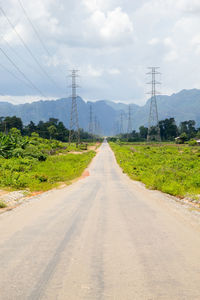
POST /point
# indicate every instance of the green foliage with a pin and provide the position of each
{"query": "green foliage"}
(183, 137)
(29, 172)
(168, 129)
(192, 142)
(2, 204)
(171, 169)
(37, 163)
(52, 129)
(16, 145)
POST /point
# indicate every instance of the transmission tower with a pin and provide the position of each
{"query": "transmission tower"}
(130, 129)
(121, 122)
(153, 126)
(74, 130)
(91, 129)
(96, 127)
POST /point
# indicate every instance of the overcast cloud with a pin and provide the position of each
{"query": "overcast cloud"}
(111, 42)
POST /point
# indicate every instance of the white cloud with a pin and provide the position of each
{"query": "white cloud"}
(188, 6)
(153, 41)
(196, 43)
(91, 71)
(114, 71)
(94, 5)
(171, 56)
(111, 28)
(116, 25)
(10, 35)
(103, 38)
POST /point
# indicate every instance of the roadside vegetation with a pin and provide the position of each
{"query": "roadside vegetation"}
(173, 169)
(38, 164)
(28, 161)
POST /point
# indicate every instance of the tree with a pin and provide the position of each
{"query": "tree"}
(189, 128)
(168, 129)
(143, 131)
(12, 122)
(183, 137)
(52, 131)
(30, 128)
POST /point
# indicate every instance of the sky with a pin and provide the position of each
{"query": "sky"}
(111, 42)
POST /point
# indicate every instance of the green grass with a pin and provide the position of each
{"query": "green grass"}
(169, 168)
(29, 173)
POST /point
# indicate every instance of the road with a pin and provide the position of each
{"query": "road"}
(103, 237)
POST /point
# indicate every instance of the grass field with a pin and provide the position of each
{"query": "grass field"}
(173, 169)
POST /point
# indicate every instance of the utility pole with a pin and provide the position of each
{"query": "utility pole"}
(121, 123)
(153, 126)
(74, 130)
(130, 129)
(91, 129)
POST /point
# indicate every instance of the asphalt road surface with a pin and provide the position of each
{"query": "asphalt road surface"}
(103, 237)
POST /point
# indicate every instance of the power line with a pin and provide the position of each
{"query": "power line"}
(27, 48)
(36, 31)
(22, 73)
(17, 54)
(12, 74)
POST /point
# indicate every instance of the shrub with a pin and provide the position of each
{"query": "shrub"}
(192, 142)
(33, 151)
(2, 204)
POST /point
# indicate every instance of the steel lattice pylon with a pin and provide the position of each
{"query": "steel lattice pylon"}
(129, 130)
(153, 126)
(121, 130)
(91, 127)
(74, 130)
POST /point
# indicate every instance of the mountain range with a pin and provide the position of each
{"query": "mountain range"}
(183, 106)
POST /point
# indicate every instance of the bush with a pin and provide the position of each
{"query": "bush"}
(33, 151)
(2, 204)
(192, 142)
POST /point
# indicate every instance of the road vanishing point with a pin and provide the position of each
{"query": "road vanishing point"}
(103, 237)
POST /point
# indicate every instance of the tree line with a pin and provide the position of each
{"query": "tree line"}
(168, 131)
(52, 129)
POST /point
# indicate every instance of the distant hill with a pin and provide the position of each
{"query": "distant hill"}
(184, 105)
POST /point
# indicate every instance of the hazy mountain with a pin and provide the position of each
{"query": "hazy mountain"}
(184, 105)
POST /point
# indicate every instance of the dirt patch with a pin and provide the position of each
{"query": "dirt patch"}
(3, 192)
(85, 174)
(77, 152)
(36, 193)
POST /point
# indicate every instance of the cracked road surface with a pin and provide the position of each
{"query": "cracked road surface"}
(103, 237)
